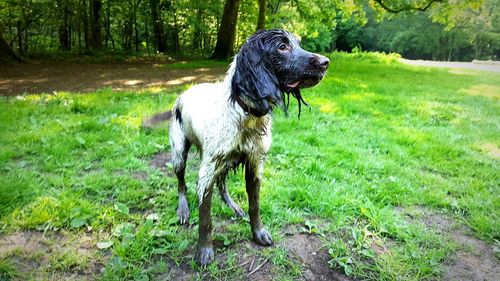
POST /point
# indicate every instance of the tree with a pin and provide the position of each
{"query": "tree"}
(95, 24)
(227, 31)
(7, 55)
(64, 29)
(261, 23)
(217, 28)
(481, 23)
(158, 28)
(397, 6)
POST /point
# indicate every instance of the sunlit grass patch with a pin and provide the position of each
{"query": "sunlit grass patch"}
(487, 91)
(370, 57)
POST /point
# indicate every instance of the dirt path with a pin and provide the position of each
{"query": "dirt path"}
(476, 65)
(34, 78)
(85, 77)
(474, 259)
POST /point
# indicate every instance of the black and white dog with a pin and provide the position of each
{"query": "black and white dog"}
(230, 124)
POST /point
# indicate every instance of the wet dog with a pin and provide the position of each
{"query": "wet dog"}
(230, 124)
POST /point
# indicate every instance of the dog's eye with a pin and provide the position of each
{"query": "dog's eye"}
(283, 47)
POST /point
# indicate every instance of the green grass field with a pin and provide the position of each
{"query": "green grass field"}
(380, 136)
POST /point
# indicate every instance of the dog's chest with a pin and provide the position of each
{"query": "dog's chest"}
(254, 136)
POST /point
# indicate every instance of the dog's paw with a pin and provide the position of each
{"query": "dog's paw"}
(262, 237)
(238, 211)
(205, 255)
(183, 211)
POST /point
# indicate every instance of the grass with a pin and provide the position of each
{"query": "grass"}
(379, 135)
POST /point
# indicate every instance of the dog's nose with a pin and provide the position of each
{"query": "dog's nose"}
(324, 62)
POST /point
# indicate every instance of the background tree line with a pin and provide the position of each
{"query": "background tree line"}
(430, 29)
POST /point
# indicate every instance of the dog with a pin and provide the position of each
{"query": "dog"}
(230, 124)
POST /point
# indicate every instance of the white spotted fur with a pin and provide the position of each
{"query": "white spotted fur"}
(219, 128)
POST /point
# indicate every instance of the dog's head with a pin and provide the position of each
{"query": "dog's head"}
(270, 64)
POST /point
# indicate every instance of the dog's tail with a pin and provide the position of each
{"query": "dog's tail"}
(156, 119)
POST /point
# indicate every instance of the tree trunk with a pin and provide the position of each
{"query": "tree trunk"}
(227, 31)
(175, 35)
(158, 29)
(7, 55)
(197, 30)
(20, 45)
(261, 23)
(95, 23)
(64, 26)
(85, 18)
(136, 29)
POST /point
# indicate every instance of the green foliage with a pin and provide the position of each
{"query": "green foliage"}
(463, 30)
(415, 36)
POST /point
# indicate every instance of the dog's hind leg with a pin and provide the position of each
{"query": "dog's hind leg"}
(180, 148)
(221, 183)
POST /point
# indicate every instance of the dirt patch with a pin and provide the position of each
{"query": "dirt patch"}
(88, 77)
(245, 260)
(474, 260)
(308, 250)
(160, 160)
(140, 175)
(53, 256)
(181, 272)
(491, 150)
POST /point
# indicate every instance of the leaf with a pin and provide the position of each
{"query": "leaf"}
(77, 222)
(122, 208)
(173, 220)
(183, 245)
(160, 251)
(80, 140)
(141, 277)
(159, 233)
(123, 228)
(153, 217)
(127, 239)
(104, 244)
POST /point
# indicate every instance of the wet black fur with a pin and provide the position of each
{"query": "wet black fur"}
(263, 71)
(178, 115)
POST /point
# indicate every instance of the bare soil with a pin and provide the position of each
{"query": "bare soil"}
(75, 77)
(304, 249)
(474, 259)
(37, 255)
(308, 250)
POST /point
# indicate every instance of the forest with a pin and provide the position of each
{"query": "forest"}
(419, 29)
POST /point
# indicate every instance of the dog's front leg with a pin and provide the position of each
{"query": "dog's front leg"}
(253, 180)
(205, 253)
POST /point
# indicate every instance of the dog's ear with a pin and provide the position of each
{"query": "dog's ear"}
(254, 81)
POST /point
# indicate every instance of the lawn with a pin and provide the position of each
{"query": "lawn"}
(383, 144)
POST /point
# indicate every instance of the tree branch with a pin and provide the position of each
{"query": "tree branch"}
(405, 7)
(25, 27)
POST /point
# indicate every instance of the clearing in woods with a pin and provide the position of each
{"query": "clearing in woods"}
(392, 174)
